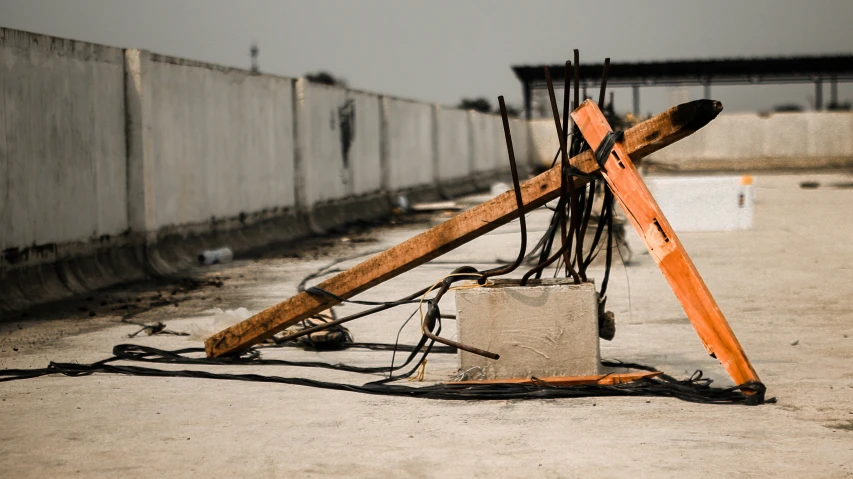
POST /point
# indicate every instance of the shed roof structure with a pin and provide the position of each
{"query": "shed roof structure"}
(725, 71)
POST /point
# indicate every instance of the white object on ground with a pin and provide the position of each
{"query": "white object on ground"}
(402, 202)
(436, 206)
(216, 256)
(705, 203)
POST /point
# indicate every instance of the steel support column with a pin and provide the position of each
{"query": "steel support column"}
(635, 90)
(818, 94)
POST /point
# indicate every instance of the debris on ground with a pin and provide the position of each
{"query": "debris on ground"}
(436, 206)
(154, 328)
(216, 256)
(813, 185)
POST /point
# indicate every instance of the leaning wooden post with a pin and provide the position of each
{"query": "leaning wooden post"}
(645, 138)
(644, 213)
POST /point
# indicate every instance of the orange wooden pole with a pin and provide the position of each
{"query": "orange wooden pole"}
(648, 219)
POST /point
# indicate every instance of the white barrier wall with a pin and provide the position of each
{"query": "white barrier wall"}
(454, 144)
(544, 143)
(339, 142)
(705, 203)
(62, 142)
(409, 144)
(750, 136)
(520, 131)
(118, 163)
(830, 134)
(218, 142)
(484, 140)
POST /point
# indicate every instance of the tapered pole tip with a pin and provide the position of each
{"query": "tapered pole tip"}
(695, 114)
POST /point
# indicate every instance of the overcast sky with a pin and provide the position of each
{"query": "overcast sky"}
(443, 50)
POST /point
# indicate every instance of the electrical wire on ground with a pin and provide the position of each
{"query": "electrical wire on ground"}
(694, 389)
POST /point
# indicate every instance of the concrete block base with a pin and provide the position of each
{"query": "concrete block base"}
(547, 328)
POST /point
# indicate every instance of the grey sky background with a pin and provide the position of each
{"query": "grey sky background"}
(441, 50)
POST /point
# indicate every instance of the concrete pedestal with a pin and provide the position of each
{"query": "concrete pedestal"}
(547, 328)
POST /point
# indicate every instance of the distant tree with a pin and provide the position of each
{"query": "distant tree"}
(511, 111)
(477, 104)
(325, 78)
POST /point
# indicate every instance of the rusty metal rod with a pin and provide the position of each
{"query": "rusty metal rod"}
(603, 83)
(564, 163)
(516, 185)
(433, 313)
(590, 197)
(577, 78)
(565, 189)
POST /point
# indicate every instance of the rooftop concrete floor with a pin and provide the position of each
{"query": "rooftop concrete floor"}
(784, 285)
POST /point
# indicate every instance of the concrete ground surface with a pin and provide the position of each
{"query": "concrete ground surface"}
(784, 286)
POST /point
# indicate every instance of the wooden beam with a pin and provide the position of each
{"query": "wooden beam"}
(644, 213)
(603, 379)
(640, 140)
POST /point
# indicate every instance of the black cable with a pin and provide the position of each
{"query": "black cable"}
(368, 346)
(695, 389)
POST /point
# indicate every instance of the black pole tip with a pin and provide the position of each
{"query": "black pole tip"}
(696, 114)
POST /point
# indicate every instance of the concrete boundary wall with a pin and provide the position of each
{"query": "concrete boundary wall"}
(485, 141)
(217, 144)
(409, 144)
(454, 152)
(455, 159)
(339, 141)
(749, 141)
(520, 131)
(121, 164)
(63, 169)
(543, 142)
(339, 150)
(63, 145)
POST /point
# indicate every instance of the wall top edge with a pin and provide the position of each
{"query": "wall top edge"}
(321, 86)
(62, 47)
(168, 59)
(394, 98)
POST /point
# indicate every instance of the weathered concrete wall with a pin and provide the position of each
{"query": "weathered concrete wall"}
(830, 135)
(218, 143)
(454, 144)
(409, 144)
(118, 164)
(520, 131)
(339, 142)
(544, 143)
(62, 145)
(63, 188)
(486, 141)
(744, 141)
